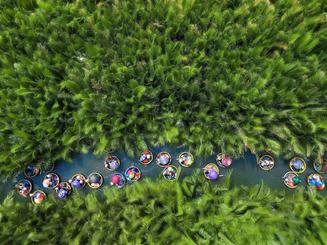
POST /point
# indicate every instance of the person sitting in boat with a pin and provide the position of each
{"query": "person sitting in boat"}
(31, 170)
(38, 197)
(146, 157)
(47, 182)
(211, 172)
(267, 163)
(23, 188)
(78, 181)
(298, 165)
(224, 160)
(95, 180)
(170, 173)
(292, 180)
(186, 159)
(111, 163)
(50, 180)
(164, 159)
(117, 180)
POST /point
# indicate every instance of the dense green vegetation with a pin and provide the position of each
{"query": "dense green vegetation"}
(213, 75)
(193, 211)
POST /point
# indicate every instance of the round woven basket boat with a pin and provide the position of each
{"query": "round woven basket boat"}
(298, 165)
(146, 157)
(112, 163)
(211, 171)
(77, 181)
(31, 170)
(266, 162)
(186, 159)
(24, 187)
(132, 174)
(163, 159)
(291, 179)
(94, 180)
(170, 173)
(51, 181)
(38, 197)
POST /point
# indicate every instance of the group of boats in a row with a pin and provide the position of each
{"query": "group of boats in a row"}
(170, 172)
(297, 166)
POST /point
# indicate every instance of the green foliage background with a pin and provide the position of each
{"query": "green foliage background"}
(193, 211)
(213, 75)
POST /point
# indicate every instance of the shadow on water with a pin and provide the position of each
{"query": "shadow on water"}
(245, 170)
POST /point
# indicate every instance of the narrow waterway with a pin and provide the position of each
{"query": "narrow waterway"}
(245, 170)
